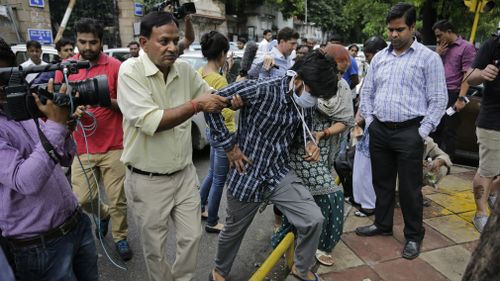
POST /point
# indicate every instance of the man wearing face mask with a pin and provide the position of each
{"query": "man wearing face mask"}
(100, 150)
(275, 111)
(403, 98)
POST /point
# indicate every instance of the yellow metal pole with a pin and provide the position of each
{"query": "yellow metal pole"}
(275, 256)
(476, 21)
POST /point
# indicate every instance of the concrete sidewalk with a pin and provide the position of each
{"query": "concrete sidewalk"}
(449, 241)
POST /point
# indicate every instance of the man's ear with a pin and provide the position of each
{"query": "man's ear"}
(143, 40)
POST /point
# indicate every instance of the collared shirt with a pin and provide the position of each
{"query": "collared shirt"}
(283, 63)
(109, 133)
(268, 124)
(143, 95)
(35, 195)
(31, 76)
(401, 87)
(457, 60)
(263, 46)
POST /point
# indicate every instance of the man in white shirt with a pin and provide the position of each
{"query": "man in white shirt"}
(34, 52)
(268, 36)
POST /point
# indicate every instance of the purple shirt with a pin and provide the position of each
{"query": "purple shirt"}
(35, 195)
(457, 60)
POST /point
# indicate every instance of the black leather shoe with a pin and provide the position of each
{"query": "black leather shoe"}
(411, 250)
(371, 230)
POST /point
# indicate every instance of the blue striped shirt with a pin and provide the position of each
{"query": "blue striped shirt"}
(267, 126)
(283, 63)
(401, 87)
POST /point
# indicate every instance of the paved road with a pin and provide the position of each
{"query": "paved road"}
(253, 251)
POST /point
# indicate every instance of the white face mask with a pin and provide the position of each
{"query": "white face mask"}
(305, 100)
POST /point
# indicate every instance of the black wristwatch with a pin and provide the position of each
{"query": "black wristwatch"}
(464, 99)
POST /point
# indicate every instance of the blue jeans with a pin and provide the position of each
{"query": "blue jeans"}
(69, 257)
(213, 184)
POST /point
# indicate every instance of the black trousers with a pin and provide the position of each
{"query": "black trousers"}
(445, 135)
(393, 152)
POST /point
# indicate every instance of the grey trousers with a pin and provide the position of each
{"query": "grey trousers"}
(296, 202)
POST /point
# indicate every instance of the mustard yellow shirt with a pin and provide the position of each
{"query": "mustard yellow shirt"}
(217, 81)
(143, 94)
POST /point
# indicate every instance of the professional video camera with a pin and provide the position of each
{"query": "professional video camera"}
(20, 104)
(179, 11)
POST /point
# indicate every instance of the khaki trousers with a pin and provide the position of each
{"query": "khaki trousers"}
(107, 168)
(153, 201)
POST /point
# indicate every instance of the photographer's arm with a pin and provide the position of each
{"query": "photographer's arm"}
(28, 175)
(188, 34)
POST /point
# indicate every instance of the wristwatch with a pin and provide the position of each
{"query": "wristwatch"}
(464, 99)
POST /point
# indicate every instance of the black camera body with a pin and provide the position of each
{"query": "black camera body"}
(179, 11)
(20, 104)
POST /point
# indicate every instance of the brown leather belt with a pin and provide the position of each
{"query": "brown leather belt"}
(151, 174)
(404, 124)
(57, 232)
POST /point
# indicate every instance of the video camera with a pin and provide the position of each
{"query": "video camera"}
(20, 104)
(179, 11)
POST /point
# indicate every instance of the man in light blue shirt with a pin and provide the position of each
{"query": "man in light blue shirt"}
(278, 60)
(404, 97)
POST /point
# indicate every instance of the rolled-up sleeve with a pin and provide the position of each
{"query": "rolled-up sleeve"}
(137, 105)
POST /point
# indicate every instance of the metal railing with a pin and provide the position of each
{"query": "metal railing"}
(285, 247)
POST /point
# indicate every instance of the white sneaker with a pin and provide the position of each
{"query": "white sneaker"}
(479, 222)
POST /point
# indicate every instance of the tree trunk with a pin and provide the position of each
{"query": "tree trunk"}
(484, 262)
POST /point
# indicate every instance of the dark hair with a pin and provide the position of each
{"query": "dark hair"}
(156, 19)
(212, 44)
(266, 31)
(444, 25)
(33, 43)
(319, 72)
(63, 42)
(287, 33)
(242, 40)
(88, 25)
(353, 45)
(133, 43)
(6, 53)
(402, 10)
(302, 46)
(374, 44)
(336, 38)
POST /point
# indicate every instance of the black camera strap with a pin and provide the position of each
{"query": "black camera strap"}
(51, 151)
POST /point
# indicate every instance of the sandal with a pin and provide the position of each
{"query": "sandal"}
(320, 257)
(214, 229)
(204, 215)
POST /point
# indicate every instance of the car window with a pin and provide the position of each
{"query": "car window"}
(21, 57)
(49, 57)
(121, 56)
(195, 62)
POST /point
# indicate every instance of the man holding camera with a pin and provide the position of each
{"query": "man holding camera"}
(50, 237)
(158, 95)
(100, 149)
(485, 70)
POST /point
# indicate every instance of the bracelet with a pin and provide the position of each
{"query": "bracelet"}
(195, 106)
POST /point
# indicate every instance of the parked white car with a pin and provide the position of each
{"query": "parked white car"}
(49, 53)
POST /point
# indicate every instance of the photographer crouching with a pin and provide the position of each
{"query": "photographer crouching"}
(49, 236)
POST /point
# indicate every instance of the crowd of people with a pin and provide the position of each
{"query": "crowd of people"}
(300, 107)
